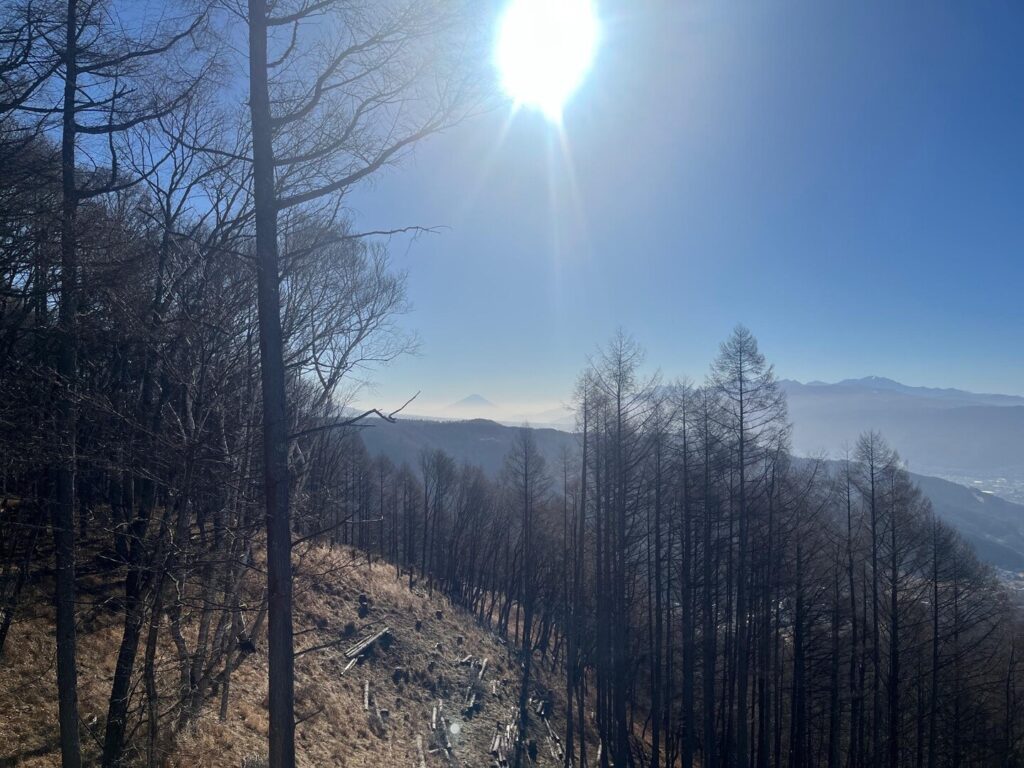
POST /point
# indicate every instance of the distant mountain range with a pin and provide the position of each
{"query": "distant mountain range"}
(992, 524)
(947, 432)
(879, 386)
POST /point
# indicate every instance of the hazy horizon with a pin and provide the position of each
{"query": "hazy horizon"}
(439, 403)
(558, 412)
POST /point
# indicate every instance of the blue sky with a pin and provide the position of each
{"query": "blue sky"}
(847, 179)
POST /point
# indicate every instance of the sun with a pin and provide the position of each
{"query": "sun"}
(544, 50)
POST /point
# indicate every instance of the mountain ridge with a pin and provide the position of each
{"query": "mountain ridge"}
(949, 433)
(880, 384)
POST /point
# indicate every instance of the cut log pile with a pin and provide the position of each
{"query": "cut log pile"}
(554, 742)
(461, 684)
(440, 741)
(475, 689)
(503, 743)
(440, 733)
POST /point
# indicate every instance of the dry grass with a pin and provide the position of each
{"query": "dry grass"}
(334, 729)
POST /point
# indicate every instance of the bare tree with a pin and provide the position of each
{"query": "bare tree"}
(370, 96)
(92, 61)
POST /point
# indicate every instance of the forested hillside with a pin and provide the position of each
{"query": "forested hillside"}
(734, 605)
(992, 525)
(700, 597)
(481, 442)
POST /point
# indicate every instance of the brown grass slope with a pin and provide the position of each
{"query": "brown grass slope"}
(409, 674)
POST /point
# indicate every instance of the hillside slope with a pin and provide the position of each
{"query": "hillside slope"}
(422, 664)
(993, 525)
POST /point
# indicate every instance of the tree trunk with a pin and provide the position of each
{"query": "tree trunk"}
(894, 647)
(67, 414)
(275, 423)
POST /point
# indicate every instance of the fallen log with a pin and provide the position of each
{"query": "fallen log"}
(551, 732)
(419, 749)
(362, 646)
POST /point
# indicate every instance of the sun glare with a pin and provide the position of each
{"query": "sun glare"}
(544, 50)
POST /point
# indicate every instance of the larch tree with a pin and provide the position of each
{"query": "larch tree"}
(753, 413)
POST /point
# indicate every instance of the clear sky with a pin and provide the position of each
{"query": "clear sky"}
(847, 179)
